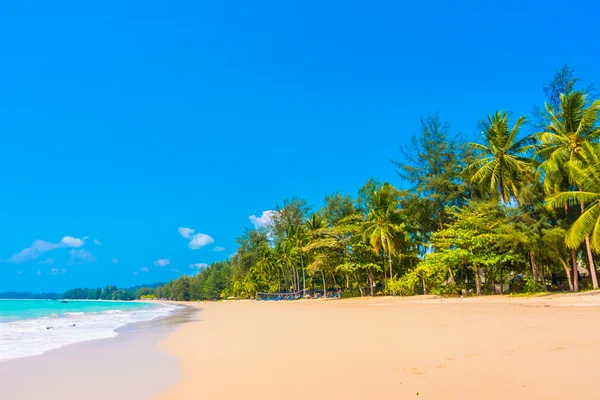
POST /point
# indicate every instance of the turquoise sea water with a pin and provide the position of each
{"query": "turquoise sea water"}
(31, 327)
(11, 310)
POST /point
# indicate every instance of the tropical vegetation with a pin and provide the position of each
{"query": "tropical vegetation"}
(516, 210)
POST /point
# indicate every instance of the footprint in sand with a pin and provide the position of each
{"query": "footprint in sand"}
(558, 349)
(441, 366)
(415, 371)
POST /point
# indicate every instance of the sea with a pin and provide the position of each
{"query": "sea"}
(32, 327)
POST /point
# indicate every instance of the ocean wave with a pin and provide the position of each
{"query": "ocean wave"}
(28, 337)
(74, 314)
(113, 312)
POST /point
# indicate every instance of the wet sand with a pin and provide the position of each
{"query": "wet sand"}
(390, 348)
(128, 366)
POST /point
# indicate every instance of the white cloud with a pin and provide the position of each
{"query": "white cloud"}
(185, 232)
(162, 262)
(264, 220)
(97, 242)
(19, 272)
(72, 241)
(200, 240)
(31, 253)
(199, 265)
(56, 271)
(144, 269)
(38, 272)
(80, 256)
(38, 247)
(115, 261)
(218, 248)
(47, 261)
(174, 270)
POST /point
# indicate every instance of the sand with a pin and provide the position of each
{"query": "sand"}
(390, 348)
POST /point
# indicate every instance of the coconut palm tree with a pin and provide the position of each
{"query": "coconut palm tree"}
(299, 239)
(586, 174)
(504, 162)
(570, 127)
(382, 228)
(265, 264)
(562, 144)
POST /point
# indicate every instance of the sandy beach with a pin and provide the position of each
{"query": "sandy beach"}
(390, 348)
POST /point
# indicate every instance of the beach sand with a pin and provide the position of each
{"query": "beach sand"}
(390, 348)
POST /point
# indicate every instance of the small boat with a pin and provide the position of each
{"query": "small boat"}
(64, 301)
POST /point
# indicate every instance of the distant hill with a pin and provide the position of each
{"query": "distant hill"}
(83, 293)
(28, 295)
(110, 292)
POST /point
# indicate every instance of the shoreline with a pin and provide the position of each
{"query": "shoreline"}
(22, 332)
(128, 365)
(494, 347)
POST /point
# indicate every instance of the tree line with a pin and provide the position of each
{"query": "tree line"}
(516, 210)
(111, 292)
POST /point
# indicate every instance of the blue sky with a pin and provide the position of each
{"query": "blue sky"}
(122, 122)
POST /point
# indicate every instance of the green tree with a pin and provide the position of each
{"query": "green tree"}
(471, 240)
(586, 173)
(382, 228)
(432, 163)
(571, 127)
(504, 163)
(291, 214)
(181, 289)
(563, 82)
(337, 207)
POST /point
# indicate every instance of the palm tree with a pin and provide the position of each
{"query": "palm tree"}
(562, 145)
(504, 161)
(587, 176)
(265, 264)
(299, 239)
(314, 232)
(381, 229)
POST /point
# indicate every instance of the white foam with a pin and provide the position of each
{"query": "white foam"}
(30, 337)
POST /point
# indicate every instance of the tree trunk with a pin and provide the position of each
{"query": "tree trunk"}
(390, 260)
(568, 271)
(477, 282)
(591, 261)
(303, 278)
(590, 255)
(384, 269)
(324, 285)
(423, 281)
(501, 283)
(502, 192)
(297, 279)
(371, 283)
(451, 279)
(291, 275)
(534, 270)
(575, 272)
